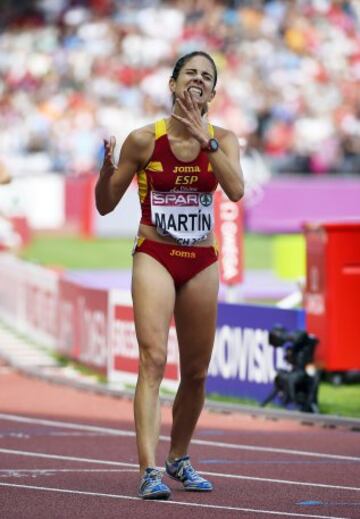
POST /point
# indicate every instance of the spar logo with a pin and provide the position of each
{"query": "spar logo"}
(206, 199)
(175, 199)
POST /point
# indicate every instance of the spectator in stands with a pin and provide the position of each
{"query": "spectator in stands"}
(273, 57)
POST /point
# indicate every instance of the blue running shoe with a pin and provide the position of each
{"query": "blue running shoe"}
(151, 486)
(182, 470)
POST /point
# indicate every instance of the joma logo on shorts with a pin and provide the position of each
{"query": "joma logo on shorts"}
(186, 169)
(182, 254)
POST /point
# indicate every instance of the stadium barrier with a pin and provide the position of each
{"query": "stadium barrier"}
(29, 297)
(96, 327)
(82, 333)
(123, 348)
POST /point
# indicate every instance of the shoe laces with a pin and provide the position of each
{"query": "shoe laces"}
(187, 470)
(154, 475)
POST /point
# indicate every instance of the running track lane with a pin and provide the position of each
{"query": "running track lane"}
(67, 453)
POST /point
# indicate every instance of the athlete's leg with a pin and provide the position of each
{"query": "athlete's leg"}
(195, 316)
(153, 298)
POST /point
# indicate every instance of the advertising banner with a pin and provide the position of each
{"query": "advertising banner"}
(11, 289)
(124, 350)
(29, 298)
(280, 209)
(83, 328)
(40, 304)
(243, 363)
(96, 327)
(229, 233)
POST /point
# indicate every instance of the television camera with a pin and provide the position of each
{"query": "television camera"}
(298, 386)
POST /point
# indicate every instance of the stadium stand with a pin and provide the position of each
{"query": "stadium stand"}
(73, 71)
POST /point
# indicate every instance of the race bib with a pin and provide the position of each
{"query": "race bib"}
(187, 217)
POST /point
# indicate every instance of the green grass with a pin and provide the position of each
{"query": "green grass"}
(79, 367)
(342, 400)
(72, 252)
(258, 251)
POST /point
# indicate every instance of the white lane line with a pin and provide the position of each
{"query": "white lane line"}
(131, 434)
(212, 474)
(68, 458)
(46, 472)
(17, 473)
(181, 503)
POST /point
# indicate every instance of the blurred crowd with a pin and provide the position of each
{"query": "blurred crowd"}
(72, 72)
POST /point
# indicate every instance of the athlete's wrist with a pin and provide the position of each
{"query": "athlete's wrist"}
(211, 145)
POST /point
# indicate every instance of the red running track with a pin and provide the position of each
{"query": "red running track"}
(67, 453)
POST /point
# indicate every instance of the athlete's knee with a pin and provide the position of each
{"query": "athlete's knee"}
(196, 375)
(152, 363)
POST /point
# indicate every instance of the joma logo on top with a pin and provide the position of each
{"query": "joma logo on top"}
(186, 169)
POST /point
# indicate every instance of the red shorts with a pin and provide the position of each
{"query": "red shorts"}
(182, 262)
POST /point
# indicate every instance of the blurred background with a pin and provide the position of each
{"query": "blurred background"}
(74, 71)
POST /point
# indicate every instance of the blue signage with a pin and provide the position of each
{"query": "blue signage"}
(243, 363)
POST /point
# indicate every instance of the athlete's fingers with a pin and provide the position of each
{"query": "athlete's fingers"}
(182, 105)
(108, 158)
(186, 101)
(189, 100)
(193, 104)
(106, 148)
(187, 112)
(112, 144)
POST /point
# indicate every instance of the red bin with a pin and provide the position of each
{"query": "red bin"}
(332, 293)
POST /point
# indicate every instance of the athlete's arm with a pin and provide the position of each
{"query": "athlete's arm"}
(226, 166)
(114, 180)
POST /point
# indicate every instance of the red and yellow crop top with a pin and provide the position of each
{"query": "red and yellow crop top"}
(176, 197)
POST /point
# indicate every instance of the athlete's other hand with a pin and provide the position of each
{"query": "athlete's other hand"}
(195, 123)
(108, 167)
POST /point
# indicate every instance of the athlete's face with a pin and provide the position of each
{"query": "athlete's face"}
(197, 77)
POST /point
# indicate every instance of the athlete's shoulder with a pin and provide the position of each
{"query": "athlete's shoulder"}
(222, 133)
(142, 137)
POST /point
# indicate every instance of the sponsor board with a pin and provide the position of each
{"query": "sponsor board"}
(124, 350)
(29, 298)
(97, 328)
(11, 276)
(243, 364)
(83, 324)
(229, 233)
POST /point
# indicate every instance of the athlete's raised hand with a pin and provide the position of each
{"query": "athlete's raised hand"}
(108, 167)
(191, 117)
